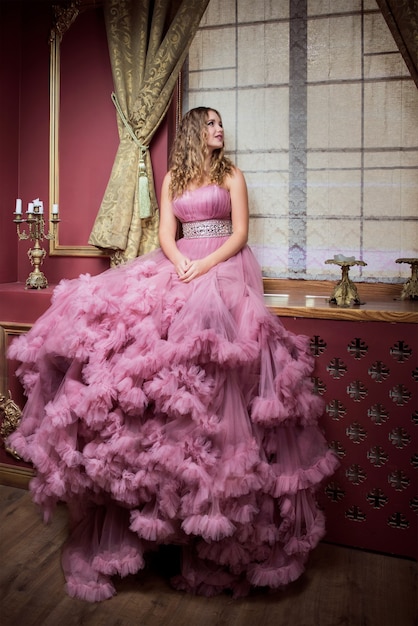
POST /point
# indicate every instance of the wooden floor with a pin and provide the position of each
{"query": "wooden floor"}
(341, 587)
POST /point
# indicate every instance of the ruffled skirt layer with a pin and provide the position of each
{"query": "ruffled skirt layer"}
(165, 413)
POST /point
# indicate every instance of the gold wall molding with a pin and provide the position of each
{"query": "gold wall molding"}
(15, 476)
(8, 330)
(10, 412)
(64, 17)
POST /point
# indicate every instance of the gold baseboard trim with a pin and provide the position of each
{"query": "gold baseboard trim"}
(15, 476)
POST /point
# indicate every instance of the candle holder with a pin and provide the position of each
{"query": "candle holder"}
(410, 288)
(345, 292)
(34, 218)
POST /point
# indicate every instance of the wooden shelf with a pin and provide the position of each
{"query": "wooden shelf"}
(310, 299)
(285, 297)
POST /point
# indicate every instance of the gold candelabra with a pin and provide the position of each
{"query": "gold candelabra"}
(35, 220)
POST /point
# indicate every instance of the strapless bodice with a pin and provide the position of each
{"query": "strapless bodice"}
(204, 203)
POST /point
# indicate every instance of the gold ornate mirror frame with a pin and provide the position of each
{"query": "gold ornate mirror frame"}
(64, 16)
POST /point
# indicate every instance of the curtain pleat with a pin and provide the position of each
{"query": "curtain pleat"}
(148, 43)
(402, 18)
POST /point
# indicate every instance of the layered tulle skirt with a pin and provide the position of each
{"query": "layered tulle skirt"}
(165, 413)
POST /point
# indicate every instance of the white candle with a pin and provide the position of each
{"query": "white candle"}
(30, 207)
(41, 206)
(54, 209)
(18, 206)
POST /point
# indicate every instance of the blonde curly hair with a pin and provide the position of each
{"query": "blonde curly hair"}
(187, 158)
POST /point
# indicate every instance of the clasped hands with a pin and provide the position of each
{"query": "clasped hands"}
(187, 269)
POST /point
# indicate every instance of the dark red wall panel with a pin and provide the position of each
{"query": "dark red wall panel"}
(10, 64)
(88, 136)
(367, 374)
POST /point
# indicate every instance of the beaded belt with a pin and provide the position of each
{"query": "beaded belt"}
(207, 228)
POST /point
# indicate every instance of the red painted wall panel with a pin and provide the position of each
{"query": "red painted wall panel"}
(9, 135)
(367, 374)
(88, 137)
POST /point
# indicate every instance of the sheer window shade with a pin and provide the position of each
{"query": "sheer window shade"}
(321, 114)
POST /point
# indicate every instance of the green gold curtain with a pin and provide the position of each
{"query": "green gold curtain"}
(402, 18)
(148, 43)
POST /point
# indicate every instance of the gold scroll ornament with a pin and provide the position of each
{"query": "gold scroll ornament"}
(11, 418)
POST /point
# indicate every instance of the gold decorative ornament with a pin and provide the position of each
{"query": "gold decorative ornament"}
(345, 292)
(11, 418)
(63, 17)
(410, 288)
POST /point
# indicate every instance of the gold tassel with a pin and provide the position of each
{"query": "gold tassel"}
(143, 198)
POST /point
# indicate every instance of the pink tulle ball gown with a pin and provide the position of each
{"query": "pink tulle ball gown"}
(165, 413)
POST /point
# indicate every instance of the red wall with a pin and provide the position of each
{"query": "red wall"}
(88, 132)
(9, 135)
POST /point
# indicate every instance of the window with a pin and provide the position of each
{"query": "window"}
(321, 115)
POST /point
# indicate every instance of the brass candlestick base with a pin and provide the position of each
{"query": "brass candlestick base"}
(345, 292)
(36, 279)
(410, 288)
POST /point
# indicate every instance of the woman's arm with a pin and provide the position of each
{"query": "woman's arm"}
(240, 217)
(168, 229)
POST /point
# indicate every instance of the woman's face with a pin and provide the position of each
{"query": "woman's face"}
(214, 132)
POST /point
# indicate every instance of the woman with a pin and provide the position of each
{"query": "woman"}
(209, 165)
(166, 405)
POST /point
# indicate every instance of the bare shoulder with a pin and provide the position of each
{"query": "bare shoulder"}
(235, 179)
(165, 187)
(167, 179)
